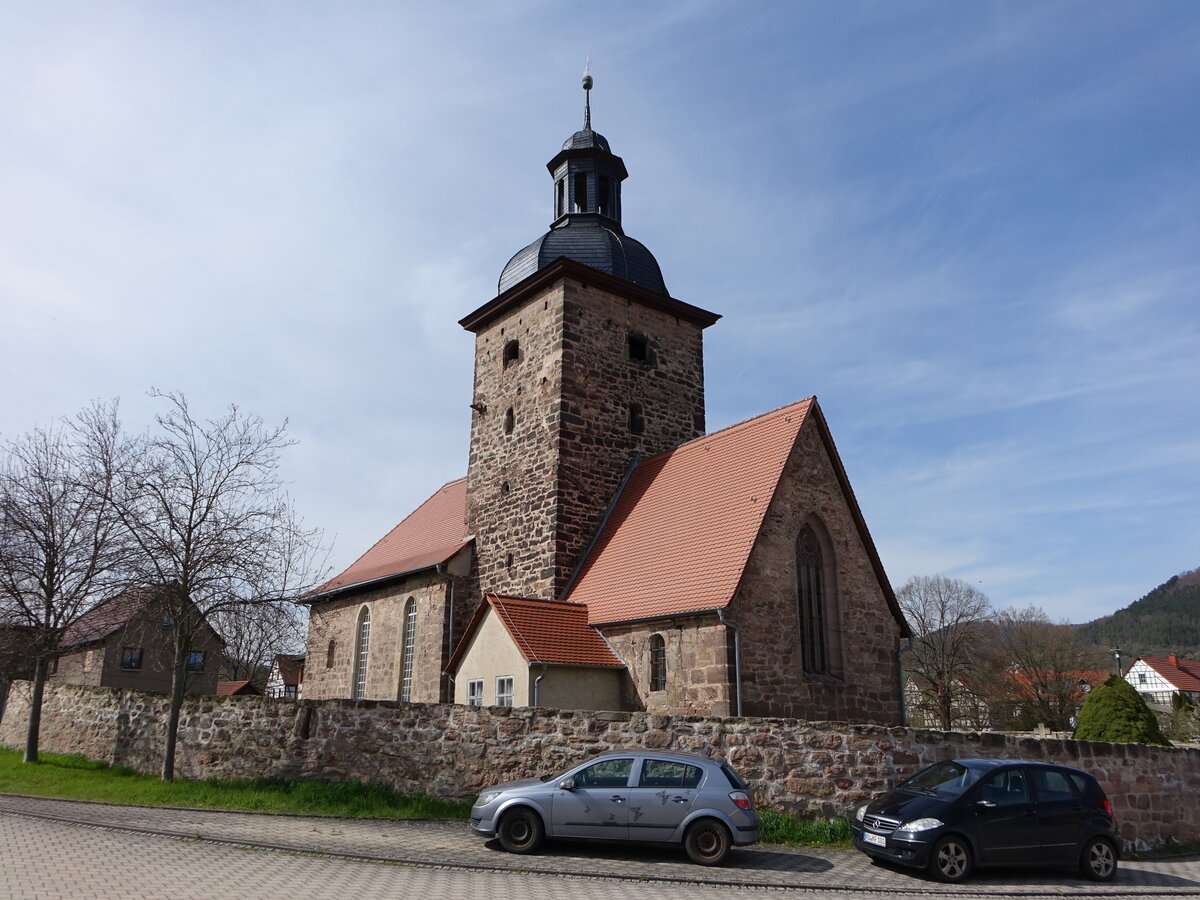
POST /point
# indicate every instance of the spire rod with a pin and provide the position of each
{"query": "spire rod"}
(587, 97)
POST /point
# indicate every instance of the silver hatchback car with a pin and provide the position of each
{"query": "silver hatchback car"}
(625, 795)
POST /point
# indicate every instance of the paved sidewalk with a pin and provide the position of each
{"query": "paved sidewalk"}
(442, 845)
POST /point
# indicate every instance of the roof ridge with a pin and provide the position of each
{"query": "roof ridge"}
(724, 432)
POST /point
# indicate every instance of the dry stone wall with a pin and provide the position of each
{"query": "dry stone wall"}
(810, 768)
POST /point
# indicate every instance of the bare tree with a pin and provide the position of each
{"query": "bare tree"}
(60, 544)
(1042, 671)
(253, 638)
(945, 615)
(213, 528)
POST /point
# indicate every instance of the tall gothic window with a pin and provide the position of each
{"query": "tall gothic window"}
(814, 648)
(410, 644)
(658, 663)
(362, 645)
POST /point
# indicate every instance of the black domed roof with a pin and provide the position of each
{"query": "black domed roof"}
(593, 245)
(587, 140)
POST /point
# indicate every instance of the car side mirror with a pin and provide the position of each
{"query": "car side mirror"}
(567, 784)
(986, 803)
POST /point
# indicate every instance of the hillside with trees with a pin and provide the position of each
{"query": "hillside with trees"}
(1166, 620)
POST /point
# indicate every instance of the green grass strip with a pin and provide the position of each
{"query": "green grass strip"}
(78, 778)
(782, 828)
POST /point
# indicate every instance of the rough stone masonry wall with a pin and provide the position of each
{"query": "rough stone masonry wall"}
(811, 768)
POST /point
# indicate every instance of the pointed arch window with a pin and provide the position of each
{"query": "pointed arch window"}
(658, 663)
(409, 651)
(818, 634)
(362, 645)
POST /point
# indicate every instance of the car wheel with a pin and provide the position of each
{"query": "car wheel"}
(707, 842)
(1098, 860)
(521, 831)
(950, 860)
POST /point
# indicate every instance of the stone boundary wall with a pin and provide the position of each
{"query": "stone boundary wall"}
(809, 768)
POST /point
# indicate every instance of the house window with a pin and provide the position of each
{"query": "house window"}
(131, 658)
(410, 644)
(504, 691)
(168, 620)
(814, 627)
(195, 661)
(330, 654)
(475, 692)
(512, 352)
(658, 663)
(1141, 677)
(637, 419)
(362, 645)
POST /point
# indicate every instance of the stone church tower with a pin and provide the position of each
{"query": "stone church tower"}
(583, 364)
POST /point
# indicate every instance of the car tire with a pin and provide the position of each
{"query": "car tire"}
(950, 860)
(707, 842)
(1098, 861)
(521, 830)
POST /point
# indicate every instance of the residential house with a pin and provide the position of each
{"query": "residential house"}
(1159, 678)
(286, 676)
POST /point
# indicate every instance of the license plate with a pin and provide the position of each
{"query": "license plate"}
(877, 839)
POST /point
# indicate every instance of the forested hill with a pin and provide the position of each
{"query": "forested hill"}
(1166, 620)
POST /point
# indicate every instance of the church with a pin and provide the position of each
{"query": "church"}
(604, 551)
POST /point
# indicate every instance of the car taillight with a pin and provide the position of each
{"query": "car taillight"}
(1107, 806)
(742, 799)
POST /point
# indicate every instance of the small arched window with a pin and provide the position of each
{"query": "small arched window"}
(658, 663)
(409, 651)
(362, 646)
(512, 352)
(510, 419)
(331, 653)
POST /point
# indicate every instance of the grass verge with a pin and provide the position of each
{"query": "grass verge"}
(78, 778)
(782, 828)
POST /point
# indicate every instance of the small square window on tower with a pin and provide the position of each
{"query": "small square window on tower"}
(637, 419)
(639, 349)
(512, 353)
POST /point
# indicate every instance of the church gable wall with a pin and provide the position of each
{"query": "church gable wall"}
(698, 665)
(863, 635)
(337, 620)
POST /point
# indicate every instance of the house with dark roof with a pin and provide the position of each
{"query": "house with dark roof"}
(1159, 678)
(605, 551)
(126, 642)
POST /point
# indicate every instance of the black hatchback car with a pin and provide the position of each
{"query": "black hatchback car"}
(961, 813)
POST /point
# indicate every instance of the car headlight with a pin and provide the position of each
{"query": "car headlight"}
(921, 825)
(860, 812)
(488, 797)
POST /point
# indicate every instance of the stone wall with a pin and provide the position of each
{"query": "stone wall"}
(811, 768)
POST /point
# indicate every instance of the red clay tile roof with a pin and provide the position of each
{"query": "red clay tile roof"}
(236, 689)
(681, 532)
(432, 533)
(1185, 676)
(291, 667)
(545, 631)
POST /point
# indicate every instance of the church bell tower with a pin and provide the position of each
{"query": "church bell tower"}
(584, 364)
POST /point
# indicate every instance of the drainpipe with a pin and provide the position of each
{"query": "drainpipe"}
(537, 687)
(900, 675)
(449, 624)
(737, 657)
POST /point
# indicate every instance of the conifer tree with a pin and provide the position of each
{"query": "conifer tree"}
(1116, 712)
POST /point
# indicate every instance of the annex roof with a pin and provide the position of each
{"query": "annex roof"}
(553, 632)
(433, 533)
(686, 521)
(1184, 674)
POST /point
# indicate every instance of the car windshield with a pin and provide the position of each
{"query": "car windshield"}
(945, 779)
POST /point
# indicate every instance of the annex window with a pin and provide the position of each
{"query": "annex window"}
(512, 353)
(820, 650)
(409, 651)
(504, 690)
(510, 419)
(330, 654)
(475, 692)
(362, 645)
(658, 663)
(195, 661)
(580, 192)
(131, 657)
(637, 419)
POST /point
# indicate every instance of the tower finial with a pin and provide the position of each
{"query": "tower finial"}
(587, 95)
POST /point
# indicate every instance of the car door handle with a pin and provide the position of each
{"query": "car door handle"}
(680, 799)
(617, 798)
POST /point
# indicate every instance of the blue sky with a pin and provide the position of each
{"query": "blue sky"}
(971, 229)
